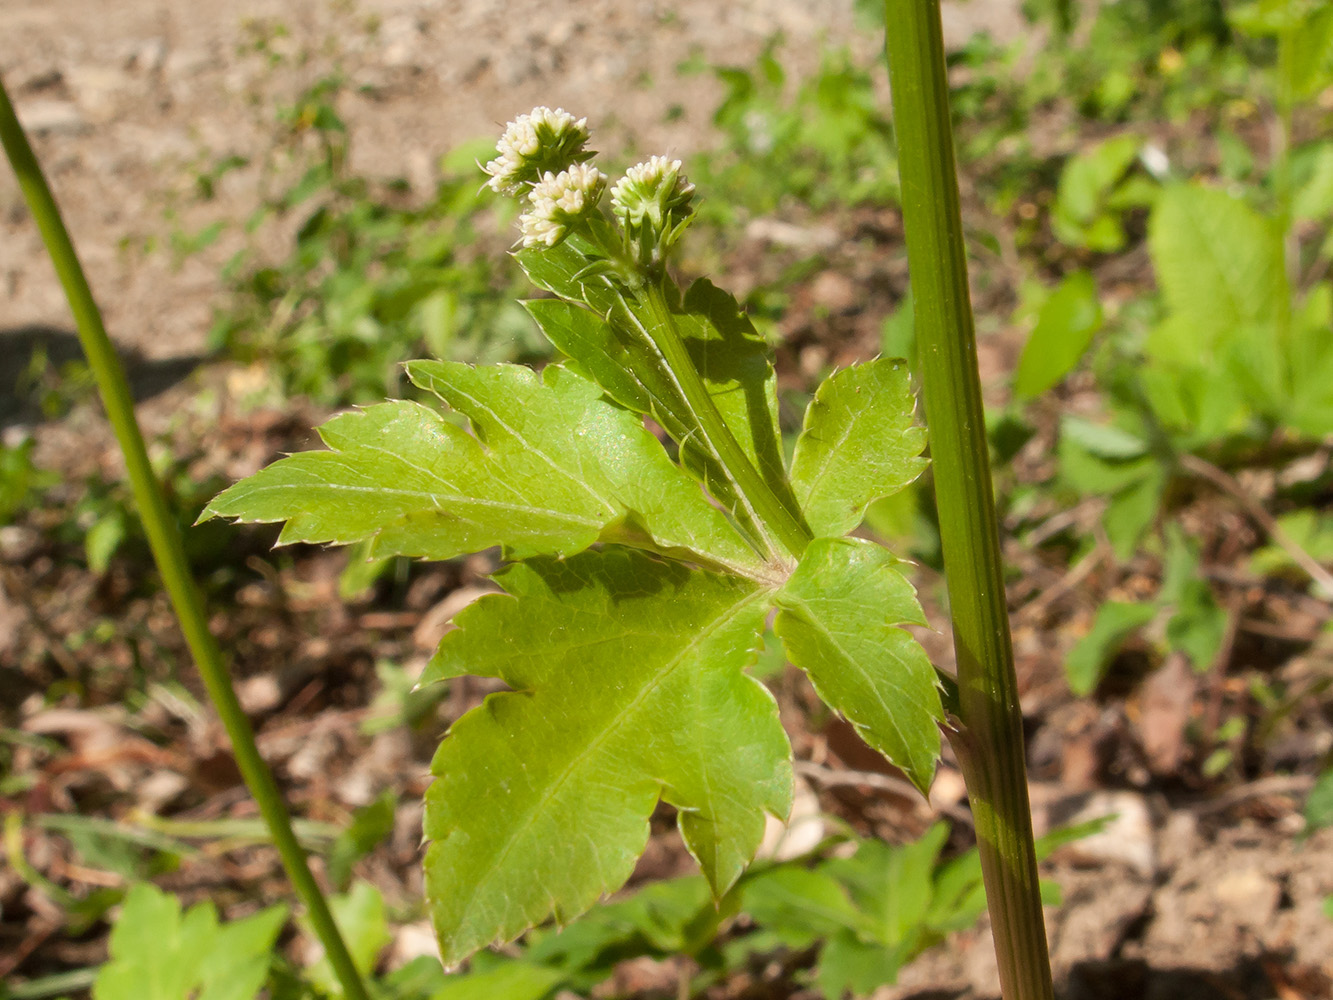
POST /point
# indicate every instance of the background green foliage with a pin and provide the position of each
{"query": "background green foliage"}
(1167, 263)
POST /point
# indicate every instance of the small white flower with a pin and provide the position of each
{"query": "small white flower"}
(558, 201)
(654, 191)
(534, 144)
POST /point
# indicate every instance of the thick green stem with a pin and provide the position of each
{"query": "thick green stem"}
(770, 513)
(990, 736)
(165, 540)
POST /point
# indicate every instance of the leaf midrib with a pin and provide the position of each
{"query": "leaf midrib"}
(433, 498)
(491, 453)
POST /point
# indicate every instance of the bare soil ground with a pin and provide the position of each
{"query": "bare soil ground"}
(1194, 892)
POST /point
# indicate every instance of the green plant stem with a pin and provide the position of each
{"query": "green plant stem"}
(165, 540)
(769, 512)
(989, 737)
(58, 984)
(1282, 182)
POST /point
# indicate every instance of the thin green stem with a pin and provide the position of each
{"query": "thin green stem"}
(1282, 183)
(55, 985)
(989, 740)
(165, 540)
(770, 513)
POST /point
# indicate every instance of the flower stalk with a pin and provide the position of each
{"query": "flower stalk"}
(165, 541)
(541, 159)
(989, 737)
(768, 510)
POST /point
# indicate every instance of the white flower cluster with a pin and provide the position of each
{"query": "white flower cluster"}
(557, 201)
(654, 191)
(540, 142)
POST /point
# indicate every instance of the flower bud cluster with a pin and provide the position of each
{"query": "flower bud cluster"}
(540, 142)
(542, 160)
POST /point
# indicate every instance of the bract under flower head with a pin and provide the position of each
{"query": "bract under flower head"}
(655, 192)
(558, 201)
(540, 142)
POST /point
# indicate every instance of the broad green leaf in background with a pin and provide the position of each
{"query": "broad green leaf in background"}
(1309, 409)
(1319, 803)
(1116, 621)
(676, 916)
(1132, 511)
(798, 905)
(1198, 402)
(850, 965)
(1106, 460)
(552, 469)
(1219, 266)
(1313, 198)
(893, 884)
(516, 980)
(1106, 441)
(1090, 475)
(370, 824)
(858, 444)
(1081, 217)
(838, 619)
(1066, 324)
(104, 538)
(158, 953)
(236, 965)
(1310, 26)
(1305, 528)
(629, 685)
(1312, 53)
(893, 887)
(1199, 625)
(897, 337)
(363, 921)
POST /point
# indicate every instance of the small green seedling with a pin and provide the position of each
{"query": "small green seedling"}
(160, 953)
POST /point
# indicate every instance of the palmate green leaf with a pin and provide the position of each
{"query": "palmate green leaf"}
(837, 619)
(553, 467)
(158, 953)
(629, 685)
(612, 343)
(858, 444)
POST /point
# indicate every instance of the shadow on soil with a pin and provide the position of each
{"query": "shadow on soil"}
(35, 362)
(1119, 978)
(1124, 979)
